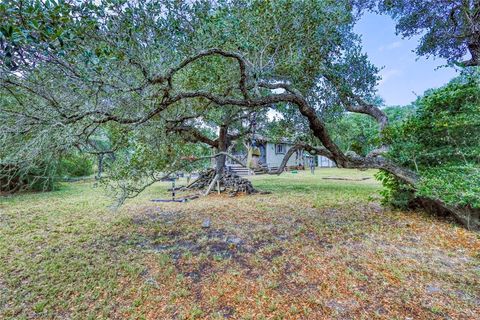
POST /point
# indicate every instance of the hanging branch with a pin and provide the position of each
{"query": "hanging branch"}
(171, 96)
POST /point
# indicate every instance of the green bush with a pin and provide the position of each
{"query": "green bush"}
(75, 165)
(41, 177)
(441, 142)
(44, 176)
(394, 192)
(454, 185)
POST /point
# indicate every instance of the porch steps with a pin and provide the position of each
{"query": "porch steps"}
(240, 170)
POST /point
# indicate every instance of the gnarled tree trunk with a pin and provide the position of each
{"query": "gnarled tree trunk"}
(220, 161)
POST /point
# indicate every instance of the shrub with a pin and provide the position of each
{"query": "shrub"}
(441, 142)
(75, 165)
(41, 177)
(454, 185)
(45, 175)
(394, 192)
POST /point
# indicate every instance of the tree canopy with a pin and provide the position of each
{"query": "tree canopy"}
(135, 68)
(166, 81)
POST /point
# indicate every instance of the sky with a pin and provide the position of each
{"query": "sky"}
(404, 75)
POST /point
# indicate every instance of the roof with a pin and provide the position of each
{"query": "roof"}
(261, 138)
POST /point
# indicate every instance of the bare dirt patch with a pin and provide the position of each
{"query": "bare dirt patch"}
(327, 263)
(313, 249)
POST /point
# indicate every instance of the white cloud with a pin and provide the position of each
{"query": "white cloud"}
(394, 45)
(391, 46)
(387, 74)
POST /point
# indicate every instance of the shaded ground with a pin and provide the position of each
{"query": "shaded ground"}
(313, 249)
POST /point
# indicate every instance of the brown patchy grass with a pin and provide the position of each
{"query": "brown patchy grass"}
(313, 249)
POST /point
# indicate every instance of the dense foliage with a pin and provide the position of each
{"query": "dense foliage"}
(454, 185)
(75, 165)
(441, 141)
(44, 175)
(359, 134)
(124, 68)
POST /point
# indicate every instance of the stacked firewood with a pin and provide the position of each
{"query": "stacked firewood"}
(203, 181)
(230, 182)
(235, 184)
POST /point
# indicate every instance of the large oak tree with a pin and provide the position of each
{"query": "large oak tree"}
(136, 68)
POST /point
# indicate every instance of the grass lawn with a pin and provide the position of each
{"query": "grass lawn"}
(312, 249)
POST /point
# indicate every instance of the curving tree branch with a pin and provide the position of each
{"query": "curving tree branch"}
(243, 64)
(172, 96)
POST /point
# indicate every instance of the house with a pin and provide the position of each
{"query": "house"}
(271, 156)
(324, 162)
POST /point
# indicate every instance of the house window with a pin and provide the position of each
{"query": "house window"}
(280, 148)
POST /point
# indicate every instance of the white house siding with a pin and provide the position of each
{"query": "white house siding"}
(275, 159)
(324, 162)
